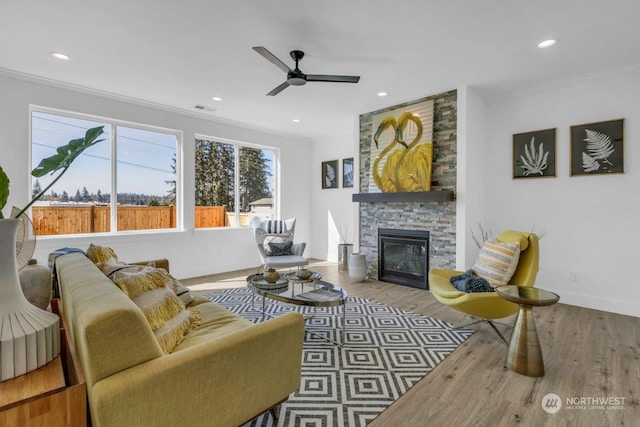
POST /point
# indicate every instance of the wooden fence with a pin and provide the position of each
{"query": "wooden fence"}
(54, 220)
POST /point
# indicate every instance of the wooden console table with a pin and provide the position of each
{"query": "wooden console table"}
(53, 395)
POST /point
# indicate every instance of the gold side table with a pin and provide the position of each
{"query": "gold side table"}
(524, 354)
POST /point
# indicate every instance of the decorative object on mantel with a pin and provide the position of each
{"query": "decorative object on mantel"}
(534, 154)
(347, 173)
(358, 267)
(29, 337)
(400, 156)
(597, 148)
(330, 174)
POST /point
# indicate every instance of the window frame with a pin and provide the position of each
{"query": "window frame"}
(237, 144)
(113, 203)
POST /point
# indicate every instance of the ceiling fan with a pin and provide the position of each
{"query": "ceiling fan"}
(296, 77)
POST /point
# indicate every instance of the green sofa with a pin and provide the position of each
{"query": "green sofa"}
(225, 372)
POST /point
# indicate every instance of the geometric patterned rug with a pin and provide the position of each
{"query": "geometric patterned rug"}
(387, 351)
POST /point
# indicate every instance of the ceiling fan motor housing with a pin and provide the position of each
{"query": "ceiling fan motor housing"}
(296, 78)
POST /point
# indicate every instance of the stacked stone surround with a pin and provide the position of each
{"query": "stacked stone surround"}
(439, 218)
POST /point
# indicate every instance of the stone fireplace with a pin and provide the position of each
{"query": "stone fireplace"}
(438, 218)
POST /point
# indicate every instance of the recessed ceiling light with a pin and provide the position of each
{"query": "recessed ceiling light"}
(382, 94)
(546, 43)
(296, 120)
(59, 55)
(216, 98)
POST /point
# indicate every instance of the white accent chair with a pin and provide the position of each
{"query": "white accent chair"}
(260, 231)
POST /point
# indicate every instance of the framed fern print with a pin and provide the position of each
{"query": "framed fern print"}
(534, 154)
(597, 148)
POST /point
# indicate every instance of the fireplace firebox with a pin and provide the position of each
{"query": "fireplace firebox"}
(403, 257)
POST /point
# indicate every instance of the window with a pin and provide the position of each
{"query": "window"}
(233, 182)
(137, 164)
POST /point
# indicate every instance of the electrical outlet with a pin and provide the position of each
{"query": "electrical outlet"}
(574, 277)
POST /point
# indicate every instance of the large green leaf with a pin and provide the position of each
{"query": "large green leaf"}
(66, 154)
(4, 190)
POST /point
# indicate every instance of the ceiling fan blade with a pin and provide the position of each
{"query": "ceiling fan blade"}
(329, 78)
(272, 58)
(279, 89)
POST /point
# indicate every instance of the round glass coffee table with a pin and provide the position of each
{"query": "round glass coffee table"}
(311, 292)
(524, 354)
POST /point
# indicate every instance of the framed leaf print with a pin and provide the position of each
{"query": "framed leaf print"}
(534, 154)
(597, 148)
(330, 174)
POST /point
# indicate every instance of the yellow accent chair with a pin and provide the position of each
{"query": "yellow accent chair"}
(488, 306)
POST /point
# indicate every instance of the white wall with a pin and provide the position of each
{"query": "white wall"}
(191, 252)
(470, 188)
(332, 209)
(590, 223)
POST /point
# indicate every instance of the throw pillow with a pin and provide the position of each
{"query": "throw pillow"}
(167, 315)
(98, 254)
(278, 243)
(275, 226)
(469, 282)
(279, 249)
(179, 289)
(497, 261)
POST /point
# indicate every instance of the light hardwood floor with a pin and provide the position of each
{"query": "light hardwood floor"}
(587, 354)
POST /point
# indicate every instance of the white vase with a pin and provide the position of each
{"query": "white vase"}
(29, 337)
(357, 267)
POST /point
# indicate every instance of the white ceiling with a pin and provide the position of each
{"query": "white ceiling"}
(181, 53)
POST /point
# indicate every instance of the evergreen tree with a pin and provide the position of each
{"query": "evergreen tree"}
(171, 193)
(214, 174)
(37, 189)
(77, 197)
(64, 197)
(254, 183)
(86, 197)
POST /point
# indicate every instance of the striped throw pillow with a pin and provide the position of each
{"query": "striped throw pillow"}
(497, 261)
(275, 226)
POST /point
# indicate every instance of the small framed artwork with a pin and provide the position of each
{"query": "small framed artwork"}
(597, 148)
(534, 154)
(347, 172)
(330, 174)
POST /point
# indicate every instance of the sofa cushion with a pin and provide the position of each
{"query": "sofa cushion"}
(215, 321)
(166, 313)
(497, 261)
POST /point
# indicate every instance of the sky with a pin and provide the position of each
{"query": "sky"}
(144, 156)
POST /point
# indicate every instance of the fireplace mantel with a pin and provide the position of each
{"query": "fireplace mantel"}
(418, 196)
